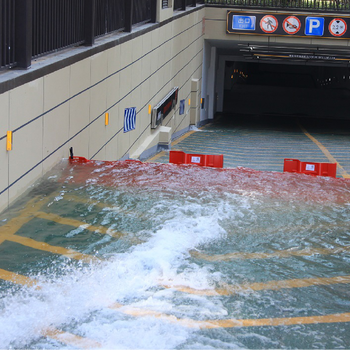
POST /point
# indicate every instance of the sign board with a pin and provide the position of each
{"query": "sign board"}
(291, 25)
(269, 24)
(310, 167)
(337, 27)
(243, 22)
(314, 26)
(164, 107)
(195, 159)
(182, 107)
(288, 24)
(129, 119)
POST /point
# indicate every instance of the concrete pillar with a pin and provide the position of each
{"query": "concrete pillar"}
(211, 84)
(195, 102)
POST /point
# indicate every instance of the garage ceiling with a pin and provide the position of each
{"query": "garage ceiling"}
(284, 53)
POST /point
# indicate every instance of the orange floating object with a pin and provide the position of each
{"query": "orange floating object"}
(179, 157)
(310, 168)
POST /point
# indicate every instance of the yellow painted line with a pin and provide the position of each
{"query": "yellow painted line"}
(174, 143)
(230, 323)
(26, 215)
(18, 279)
(271, 285)
(157, 156)
(278, 254)
(71, 339)
(9, 230)
(334, 318)
(325, 151)
(69, 253)
(77, 223)
(101, 205)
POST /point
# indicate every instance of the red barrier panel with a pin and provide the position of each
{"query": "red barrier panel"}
(78, 160)
(179, 157)
(310, 168)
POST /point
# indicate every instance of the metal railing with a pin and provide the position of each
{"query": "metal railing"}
(317, 5)
(33, 28)
(7, 33)
(141, 11)
(181, 4)
(109, 16)
(56, 24)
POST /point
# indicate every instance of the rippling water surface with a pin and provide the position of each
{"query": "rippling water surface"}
(159, 256)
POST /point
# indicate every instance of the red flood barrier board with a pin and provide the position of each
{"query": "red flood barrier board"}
(179, 157)
(310, 168)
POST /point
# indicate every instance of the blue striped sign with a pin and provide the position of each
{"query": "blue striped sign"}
(182, 107)
(129, 119)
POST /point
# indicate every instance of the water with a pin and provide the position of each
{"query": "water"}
(171, 256)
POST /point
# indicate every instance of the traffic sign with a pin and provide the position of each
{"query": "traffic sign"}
(337, 27)
(269, 24)
(243, 22)
(314, 26)
(291, 25)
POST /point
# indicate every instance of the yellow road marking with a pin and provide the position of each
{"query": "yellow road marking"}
(18, 279)
(174, 143)
(156, 157)
(278, 254)
(325, 151)
(71, 339)
(11, 227)
(334, 318)
(69, 253)
(76, 223)
(230, 323)
(80, 342)
(9, 230)
(101, 205)
(61, 336)
(183, 137)
(271, 285)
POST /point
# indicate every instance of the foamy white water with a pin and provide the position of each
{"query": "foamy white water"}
(150, 280)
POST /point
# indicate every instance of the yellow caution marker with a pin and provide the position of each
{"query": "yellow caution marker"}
(9, 141)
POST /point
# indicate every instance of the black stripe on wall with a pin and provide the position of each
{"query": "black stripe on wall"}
(102, 114)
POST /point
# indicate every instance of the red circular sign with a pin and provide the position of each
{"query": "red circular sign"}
(291, 25)
(337, 27)
(269, 24)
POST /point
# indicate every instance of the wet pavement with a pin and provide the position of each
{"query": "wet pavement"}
(262, 143)
(145, 255)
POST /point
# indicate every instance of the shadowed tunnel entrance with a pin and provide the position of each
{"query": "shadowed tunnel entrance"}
(286, 90)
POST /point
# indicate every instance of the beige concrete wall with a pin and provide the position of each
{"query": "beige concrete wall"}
(67, 107)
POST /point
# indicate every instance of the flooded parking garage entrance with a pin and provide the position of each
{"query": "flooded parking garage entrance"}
(151, 255)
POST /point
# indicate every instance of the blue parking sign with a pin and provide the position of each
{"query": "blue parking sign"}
(314, 26)
(243, 22)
